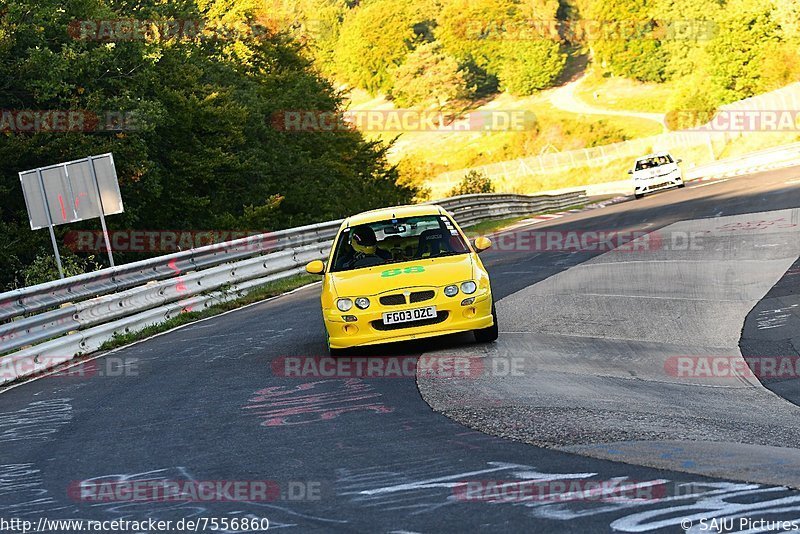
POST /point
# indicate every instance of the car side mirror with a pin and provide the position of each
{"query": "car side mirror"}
(482, 243)
(630, 171)
(678, 160)
(315, 267)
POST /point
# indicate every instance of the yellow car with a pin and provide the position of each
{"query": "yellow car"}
(404, 273)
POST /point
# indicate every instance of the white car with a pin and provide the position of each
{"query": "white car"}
(655, 171)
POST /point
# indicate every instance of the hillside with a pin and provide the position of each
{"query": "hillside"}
(647, 57)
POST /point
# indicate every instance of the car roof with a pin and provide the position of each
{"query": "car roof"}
(393, 212)
(653, 155)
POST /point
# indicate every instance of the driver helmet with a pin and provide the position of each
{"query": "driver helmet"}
(363, 240)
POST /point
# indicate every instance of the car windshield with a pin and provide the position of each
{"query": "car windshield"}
(397, 240)
(649, 163)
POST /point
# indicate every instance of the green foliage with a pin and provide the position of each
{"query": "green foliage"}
(415, 172)
(526, 67)
(204, 154)
(684, 40)
(592, 134)
(474, 182)
(321, 29)
(625, 43)
(752, 51)
(499, 39)
(375, 39)
(748, 34)
(429, 77)
(787, 14)
(44, 267)
(514, 45)
(691, 105)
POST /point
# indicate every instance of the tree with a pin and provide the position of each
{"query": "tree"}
(510, 40)
(203, 154)
(375, 40)
(683, 39)
(748, 35)
(627, 40)
(787, 13)
(526, 67)
(429, 77)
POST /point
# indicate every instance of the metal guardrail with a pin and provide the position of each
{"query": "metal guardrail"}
(761, 160)
(50, 323)
(770, 157)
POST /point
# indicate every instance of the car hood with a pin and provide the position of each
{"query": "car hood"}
(381, 278)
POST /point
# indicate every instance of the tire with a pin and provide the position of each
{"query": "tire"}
(637, 196)
(337, 353)
(682, 184)
(488, 334)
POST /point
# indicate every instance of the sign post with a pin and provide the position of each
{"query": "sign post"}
(90, 162)
(73, 191)
(50, 225)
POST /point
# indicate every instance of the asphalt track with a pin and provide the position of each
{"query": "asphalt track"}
(204, 403)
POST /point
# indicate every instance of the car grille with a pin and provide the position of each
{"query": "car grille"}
(660, 185)
(440, 317)
(419, 296)
(398, 299)
(393, 300)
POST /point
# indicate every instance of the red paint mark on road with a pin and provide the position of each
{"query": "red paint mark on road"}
(757, 225)
(313, 402)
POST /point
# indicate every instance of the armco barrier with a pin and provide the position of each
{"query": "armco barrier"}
(762, 160)
(47, 324)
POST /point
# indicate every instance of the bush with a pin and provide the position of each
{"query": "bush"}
(44, 268)
(474, 182)
(691, 105)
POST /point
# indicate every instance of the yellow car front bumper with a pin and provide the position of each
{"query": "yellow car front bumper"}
(368, 329)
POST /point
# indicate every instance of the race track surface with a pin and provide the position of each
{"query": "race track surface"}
(594, 402)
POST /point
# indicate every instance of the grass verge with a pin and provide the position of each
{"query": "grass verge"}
(622, 94)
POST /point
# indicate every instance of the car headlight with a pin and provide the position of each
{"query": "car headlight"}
(469, 287)
(362, 303)
(344, 304)
(451, 291)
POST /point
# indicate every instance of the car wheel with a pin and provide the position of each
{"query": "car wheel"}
(337, 353)
(489, 334)
(637, 196)
(682, 184)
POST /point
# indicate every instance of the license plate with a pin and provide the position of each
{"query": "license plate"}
(405, 316)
